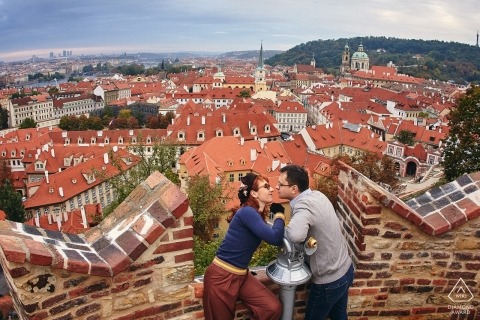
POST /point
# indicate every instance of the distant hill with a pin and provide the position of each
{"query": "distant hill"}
(249, 55)
(429, 59)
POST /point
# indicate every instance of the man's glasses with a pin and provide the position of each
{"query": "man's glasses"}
(284, 185)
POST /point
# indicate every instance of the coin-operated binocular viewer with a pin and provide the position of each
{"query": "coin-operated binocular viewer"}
(289, 271)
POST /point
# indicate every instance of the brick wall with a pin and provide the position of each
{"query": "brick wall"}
(138, 263)
(410, 256)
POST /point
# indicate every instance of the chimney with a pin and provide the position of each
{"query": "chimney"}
(224, 118)
(262, 143)
(203, 119)
(46, 177)
(275, 164)
(242, 141)
(188, 120)
(253, 154)
(60, 191)
(84, 217)
(59, 223)
(49, 218)
(52, 152)
(105, 158)
(37, 219)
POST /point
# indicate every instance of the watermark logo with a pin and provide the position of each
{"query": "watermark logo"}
(461, 292)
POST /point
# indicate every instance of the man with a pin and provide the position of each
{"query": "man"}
(313, 215)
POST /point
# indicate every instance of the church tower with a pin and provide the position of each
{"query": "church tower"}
(477, 38)
(345, 67)
(312, 62)
(260, 73)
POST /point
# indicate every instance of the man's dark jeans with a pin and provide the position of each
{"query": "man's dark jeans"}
(329, 299)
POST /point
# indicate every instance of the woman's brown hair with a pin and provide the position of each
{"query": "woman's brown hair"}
(249, 182)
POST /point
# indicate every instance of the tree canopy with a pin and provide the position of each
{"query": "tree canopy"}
(28, 123)
(462, 146)
(10, 199)
(157, 157)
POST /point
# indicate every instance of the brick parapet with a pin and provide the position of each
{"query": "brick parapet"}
(138, 263)
(407, 264)
(115, 271)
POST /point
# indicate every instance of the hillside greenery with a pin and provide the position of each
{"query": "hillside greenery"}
(429, 59)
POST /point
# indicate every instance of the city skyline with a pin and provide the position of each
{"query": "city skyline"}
(93, 27)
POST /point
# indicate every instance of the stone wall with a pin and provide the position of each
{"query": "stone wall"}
(413, 260)
(138, 263)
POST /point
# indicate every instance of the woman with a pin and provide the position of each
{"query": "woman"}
(227, 278)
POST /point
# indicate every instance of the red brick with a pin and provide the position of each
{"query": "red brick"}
(80, 266)
(175, 200)
(453, 215)
(155, 179)
(174, 246)
(370, 291)
(184, 257)
(423, 310)
(12, 249)
(39, 255)
(405, 281)
(435, 224)
(197, 290)
(131, 244)
(153, 232)
(117, 260)
(373, 209)
(470, 209)
(182, 234)
(188, 221)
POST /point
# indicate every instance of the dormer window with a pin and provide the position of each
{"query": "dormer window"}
(181, 135)
(253, 130)
(80, 140)
(236, 132)
(267, 128)
(107, 140)
(219, 133)
(230, 163)
(242, 161)
(120, 140)
(92, 140)
(201, 135)
(13, 153)
(149, 140)
(39, 166)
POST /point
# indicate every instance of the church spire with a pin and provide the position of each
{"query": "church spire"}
(260, 57)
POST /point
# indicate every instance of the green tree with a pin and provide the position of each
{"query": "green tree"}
(3, 118)
(28, 123)
(462, 146)
(157, 157)
(204, 253)
(207, 201)
(11, 202)
(245, 94)
(406, 137)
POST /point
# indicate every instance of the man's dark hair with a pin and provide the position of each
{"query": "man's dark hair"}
(296, 175)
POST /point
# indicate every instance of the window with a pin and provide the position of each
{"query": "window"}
(231, 177)
(240, 176)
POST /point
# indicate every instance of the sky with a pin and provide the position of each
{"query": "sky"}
(38, 27)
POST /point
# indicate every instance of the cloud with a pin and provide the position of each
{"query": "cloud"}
(224, 25)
